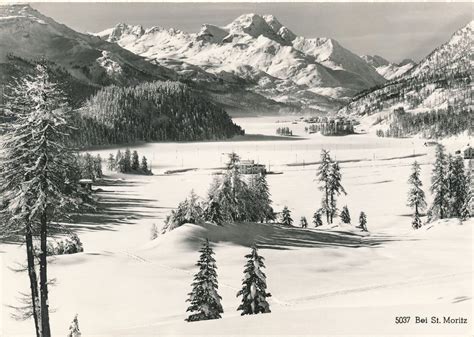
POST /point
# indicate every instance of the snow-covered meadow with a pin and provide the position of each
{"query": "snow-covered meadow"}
(323, 282)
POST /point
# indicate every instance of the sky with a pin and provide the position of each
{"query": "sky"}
(394, 31)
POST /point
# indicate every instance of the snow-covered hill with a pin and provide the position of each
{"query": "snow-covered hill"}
(259, 49)
(388, 69)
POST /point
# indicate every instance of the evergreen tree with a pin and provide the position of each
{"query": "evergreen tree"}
(37, 157)
(335, 188)
(286, 217)
(254, 286)
(74, 328)
(135, 161)
(317, 221)
(345, 215)
(118, 158)
(303, 222)
(111, 164)
(88, 170)
(458, 186)
(98, 167)
(188, 211)
(363, 221)
(127, 161)
(439, 185)
(262, 210)
(416, 195)
(323, 174)
(144, 165)
(213, 213)
(205, 302)
(153, 232)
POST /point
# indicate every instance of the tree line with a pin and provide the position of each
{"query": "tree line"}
(128, 162)
(439, 123)
(450, 186)
(155, 111)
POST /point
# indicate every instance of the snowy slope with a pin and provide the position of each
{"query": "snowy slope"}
(440, 83)
(388, 69)
(254, 47)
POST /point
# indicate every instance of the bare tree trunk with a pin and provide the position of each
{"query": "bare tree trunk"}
(33, 278)
(45, 328)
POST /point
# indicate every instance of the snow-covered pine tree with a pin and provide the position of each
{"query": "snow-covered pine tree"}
(127, 161)
(317, 221)
(416, 195)
(303, 222)
(286, 217)
(144, 165)
(323, 176)
(205, 302)
(260, 193)
(439, 186)
(335, 188)
(111, 166)
(74, 328)
(363, 221)
(118, 159)
(98, 167)
(153, 232)
(458, 186)
(36, 156)
(345, 215)
(213, 213)
(254, 286)
(135, 165)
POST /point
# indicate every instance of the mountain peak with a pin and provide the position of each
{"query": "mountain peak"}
(122, 29)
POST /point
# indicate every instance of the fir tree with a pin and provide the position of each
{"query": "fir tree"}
(458, 186)
(439, 185)
(345, 215)
(135, 165)
(144, 165)
(286, 217)
(98, 167)
(74, 328)
(254, 286)
(118, 158)
(416, 196)
(153, 232)
(213, 213)
(36, 155)
(363, 221)
(317, 221)
(205, 302)
(127, 161)
(323, 175)
(111, 164)
(303, 222)
(335, 188)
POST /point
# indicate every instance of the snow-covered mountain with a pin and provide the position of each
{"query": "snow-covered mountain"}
(258, 49)
(435, 95)
(27, 34)
(388, 69)
(86, 63)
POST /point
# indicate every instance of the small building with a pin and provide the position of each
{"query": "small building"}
(468, 152)
(250, 167)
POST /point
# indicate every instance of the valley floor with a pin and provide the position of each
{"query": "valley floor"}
(330, 281)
